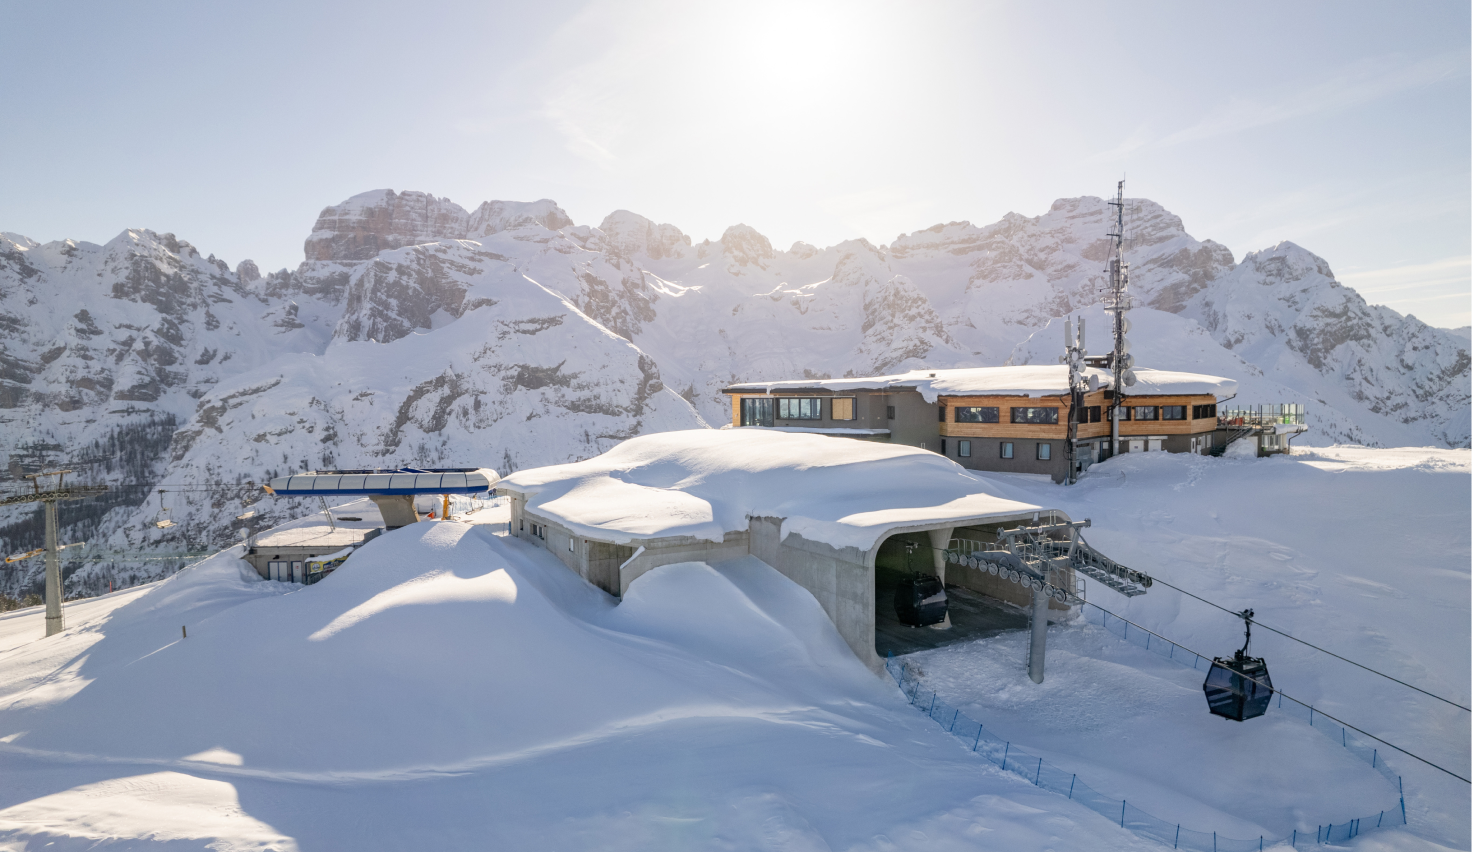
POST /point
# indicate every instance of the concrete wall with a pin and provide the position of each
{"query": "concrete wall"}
(986, 454)
(842, 580)
(681, 548)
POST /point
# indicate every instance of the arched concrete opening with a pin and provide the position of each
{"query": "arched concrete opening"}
(980, 604)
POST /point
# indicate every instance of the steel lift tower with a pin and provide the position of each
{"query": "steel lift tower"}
(54, 622)
(1117, 301)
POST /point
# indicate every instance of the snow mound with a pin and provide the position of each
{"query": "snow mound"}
(706, 483)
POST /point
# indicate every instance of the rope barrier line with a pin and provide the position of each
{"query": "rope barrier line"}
(1312, 709)
(1000, 752)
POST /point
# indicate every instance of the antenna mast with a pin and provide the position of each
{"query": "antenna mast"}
(1118, 302)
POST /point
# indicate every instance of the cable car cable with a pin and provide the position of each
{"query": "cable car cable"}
(1312, 645)
(1291, 698)
(1301, 642)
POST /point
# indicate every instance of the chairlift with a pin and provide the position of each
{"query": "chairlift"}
(1238, 687)
(162, 520)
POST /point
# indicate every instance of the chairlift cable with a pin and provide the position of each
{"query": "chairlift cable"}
(1290, 698)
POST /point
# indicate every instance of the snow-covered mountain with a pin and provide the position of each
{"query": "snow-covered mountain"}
(418, 332)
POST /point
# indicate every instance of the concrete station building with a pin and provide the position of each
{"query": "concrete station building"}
(822, 514)
(1007, 419)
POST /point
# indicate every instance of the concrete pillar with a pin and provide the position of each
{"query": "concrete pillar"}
(1038, 646)
(397, 509)
(54, 622)
(939, 540)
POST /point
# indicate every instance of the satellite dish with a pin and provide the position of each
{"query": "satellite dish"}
(1129, 378)
(1094, 382)
(1124, 325)
(1124, 344)
(1127, 361)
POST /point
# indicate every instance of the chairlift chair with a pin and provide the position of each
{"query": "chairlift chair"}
(1238, 687)
(162, 520)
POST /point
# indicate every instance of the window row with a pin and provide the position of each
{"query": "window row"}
(992, 414)
(1006, 449)
(763, 410)
(1152, 412)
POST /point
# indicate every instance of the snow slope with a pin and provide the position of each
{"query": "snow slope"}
(454, 689)
(1365, 552)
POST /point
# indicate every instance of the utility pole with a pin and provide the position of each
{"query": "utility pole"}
(54, 621)
(1118, 302)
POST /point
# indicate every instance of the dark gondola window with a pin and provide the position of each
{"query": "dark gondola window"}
(799, 408)
(963, 449)
(756, 411)
(977, 414)
(1145, 412)
(1006, 449)
(1034, 415)
(1172, 412)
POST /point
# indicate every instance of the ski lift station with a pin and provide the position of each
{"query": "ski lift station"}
(856, 524)
(307, 549)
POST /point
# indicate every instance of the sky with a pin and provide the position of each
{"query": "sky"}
(1345, 127)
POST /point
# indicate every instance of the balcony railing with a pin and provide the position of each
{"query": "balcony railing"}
(1284, 414)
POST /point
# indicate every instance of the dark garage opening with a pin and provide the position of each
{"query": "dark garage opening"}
(973, 614)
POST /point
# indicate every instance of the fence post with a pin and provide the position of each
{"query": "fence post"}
(1402, 782)
(954, 717)
(1037, 779)
(1375, 759)
(1295, 839)
(1123, 803)
(978, 737)
(1070, 795)
(1006, 751)
(1380, 820)
(933, 696)
(1178, 837)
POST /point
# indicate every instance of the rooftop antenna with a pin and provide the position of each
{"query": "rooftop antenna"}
(1078, 385)
(1117, 301)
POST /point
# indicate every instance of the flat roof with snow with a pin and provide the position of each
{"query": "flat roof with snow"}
(1029, 380)
(705, 483)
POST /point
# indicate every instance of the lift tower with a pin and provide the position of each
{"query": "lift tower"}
(54, 622)
(1117, 301)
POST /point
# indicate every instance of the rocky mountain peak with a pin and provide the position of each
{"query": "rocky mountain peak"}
(381, 220)
(745, 246)
(492, 217)
(628, 234)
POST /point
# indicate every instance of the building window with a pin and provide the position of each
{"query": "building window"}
(1045, 452)
(1006, 449)
(569, 544)
(844, 408)
(942, 446)
(1203, 412)
(756, 411)
(1092, 414)
(1034, 415)
(1122, 413)
(799, 408)
(1145, 412)
(977, 414)
(963, 449)
(889, 412)
(1172, 412)
(942, 411)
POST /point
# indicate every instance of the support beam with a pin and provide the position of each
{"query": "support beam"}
(940, 540)
(1037, 647)
(397, 509)
(54, 621)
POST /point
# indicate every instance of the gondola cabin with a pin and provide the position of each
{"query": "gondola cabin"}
(920, 600)
(1238, 687)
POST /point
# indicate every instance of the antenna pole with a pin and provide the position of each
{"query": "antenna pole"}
(1117, 302)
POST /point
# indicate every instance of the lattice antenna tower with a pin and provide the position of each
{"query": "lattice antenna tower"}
(1117, 302)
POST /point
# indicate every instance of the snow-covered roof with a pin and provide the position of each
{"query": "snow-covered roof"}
(1028, 380)
(706, 482)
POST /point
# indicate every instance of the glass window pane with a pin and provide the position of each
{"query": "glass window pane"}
(963, 449)
(1006, 449)
(1045, 452)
